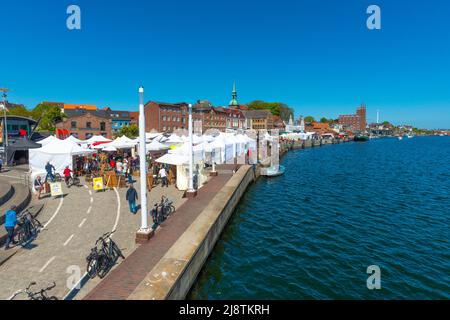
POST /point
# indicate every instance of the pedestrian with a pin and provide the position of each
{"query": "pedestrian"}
(50, 169)
(67, 175)
(119, 167)
(131, 197)
(10, 225)
(1, 164)
(163, 175)
(38, 186)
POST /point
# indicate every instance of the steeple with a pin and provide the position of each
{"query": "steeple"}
(234, 102)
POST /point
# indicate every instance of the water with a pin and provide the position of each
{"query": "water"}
(312, 233)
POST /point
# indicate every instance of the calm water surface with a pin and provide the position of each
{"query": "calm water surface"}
(312, 233)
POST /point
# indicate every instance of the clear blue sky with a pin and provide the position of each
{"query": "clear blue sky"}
(315, 55)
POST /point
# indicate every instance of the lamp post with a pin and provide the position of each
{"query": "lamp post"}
(5, 138)
(144, 233)
(191, 193)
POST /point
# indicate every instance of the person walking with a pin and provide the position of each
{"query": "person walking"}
(38, 186)
(50, 169)
(131, 197)
(10, 225)
(163, 175)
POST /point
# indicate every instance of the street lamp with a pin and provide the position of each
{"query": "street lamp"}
(5, 138)
(144, 233)
(191, 193)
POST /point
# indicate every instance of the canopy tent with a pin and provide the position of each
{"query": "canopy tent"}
(152, 135)
(94, 139)
(76, 140)
(156, 146)
(173, 159)
(121, 143)
(47, 140)
(195, 139)
(110, 149)
(59, 153)
(173, 139)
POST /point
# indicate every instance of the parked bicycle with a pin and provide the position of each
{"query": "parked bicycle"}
(29, 228)
(162, 211)
(101, 260)
(38, 295)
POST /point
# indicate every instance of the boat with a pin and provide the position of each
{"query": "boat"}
(274, 172)
(410, 136)
(400, 138)
(361, 138)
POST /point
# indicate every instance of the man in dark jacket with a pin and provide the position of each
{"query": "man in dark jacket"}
(132, 196)
(50, 169)
(10, 224)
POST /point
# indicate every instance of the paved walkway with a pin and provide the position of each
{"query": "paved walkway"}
(122, 281)
(72, 225)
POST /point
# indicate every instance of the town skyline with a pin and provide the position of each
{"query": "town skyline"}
(318, 58)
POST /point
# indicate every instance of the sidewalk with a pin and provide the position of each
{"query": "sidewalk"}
(123, 280)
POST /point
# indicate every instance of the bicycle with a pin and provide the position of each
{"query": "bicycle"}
(39, 295)
(100, 261)
(29, 228)
(162, 211)
(73, 181)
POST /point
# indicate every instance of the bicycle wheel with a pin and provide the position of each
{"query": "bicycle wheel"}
(76, 181)
(105, 265)
(92, 267)
(117, 250)
(172, 209)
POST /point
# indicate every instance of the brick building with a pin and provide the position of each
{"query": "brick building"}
(355, 122)
(83, 124)
(259, 119)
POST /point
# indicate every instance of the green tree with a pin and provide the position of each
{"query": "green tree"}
(19, 111)
(131, 131)
(325, 120)
(277, 108)
(309, 119)
(48, 116)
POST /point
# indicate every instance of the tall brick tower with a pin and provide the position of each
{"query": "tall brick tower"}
(361, 113)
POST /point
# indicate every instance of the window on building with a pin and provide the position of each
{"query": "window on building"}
(73, 124)
(102, 126)
(88, 125)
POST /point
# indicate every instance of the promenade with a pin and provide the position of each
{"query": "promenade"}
(123, 281)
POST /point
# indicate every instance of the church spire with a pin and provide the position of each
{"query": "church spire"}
(234, 102)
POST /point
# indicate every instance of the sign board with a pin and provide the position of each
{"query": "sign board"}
(56, 189)
(98, 183)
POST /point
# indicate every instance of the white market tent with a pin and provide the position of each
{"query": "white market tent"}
(173, 139)
(59, 153)
(76, 140)
(95, 139)
(156, 146)
(47, 140)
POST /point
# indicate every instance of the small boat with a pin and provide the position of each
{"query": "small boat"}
(273, 172)
(361, 138)
(410, 136)
(400, 138)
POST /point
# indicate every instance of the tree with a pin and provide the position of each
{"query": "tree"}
(48, 116)
(325, 120)
(131, 131)
(309, 119)
(19, 111)
(277, 108)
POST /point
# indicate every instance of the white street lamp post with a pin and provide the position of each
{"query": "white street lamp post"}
(143, 233)
(191, 192)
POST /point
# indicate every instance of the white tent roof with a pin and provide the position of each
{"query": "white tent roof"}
(47, 140)
(110, 148)
(63, 147)
(156, 146)
(173, 159)
(73, 139)
(94, 139)
(174, 139)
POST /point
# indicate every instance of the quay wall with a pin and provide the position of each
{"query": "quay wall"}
(174, 275)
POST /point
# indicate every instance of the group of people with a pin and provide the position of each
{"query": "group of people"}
(124, 166)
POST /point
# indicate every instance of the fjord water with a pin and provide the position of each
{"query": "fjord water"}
(312, 233)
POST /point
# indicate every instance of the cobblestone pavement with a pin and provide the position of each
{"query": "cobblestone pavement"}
(72, 225)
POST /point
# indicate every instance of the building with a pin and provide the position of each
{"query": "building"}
(119, 119)
(165, 117)
(134, 118)
(278, 123)
(355, 122)
(79, 106)
(18, 127)
(235, 119)
(83, 124)
(259, 119)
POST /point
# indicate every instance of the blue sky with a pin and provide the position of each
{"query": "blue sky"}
(315, 55)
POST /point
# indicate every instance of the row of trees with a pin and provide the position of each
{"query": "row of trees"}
(47, 115)
(277, 108)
